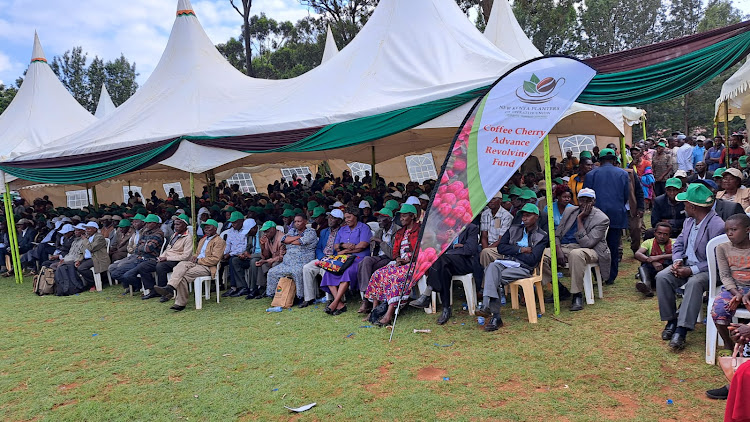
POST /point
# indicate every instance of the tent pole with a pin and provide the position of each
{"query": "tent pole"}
(726, 131)
(12, 234)
(551, 225)
(716, 127)
(96, 201)
(643, 124)
(372, 169)
(192, 209)
(623, 154)
(88, 197)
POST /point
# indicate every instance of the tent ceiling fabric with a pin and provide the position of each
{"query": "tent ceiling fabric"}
(735, 91)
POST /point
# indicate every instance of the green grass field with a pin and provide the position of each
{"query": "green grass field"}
(103, 356)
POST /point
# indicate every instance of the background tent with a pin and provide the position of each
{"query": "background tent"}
(736, 93)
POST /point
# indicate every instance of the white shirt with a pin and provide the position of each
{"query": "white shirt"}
(685, 157)
(203, 249)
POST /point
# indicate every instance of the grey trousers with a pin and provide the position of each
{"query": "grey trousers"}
(695, 286)
(497, 275)
(238, 266)
(368, 266)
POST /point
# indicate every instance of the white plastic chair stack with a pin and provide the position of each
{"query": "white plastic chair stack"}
(712, 335)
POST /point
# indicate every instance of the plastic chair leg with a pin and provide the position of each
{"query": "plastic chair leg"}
(588, 286)
(598, 275)
(207, 288)
(528, 293)
(198, 290)
(98, 281)
(218, 296)
(712, 337)
(514, 296)
(540, 296)
(422, 286)
(470, 291)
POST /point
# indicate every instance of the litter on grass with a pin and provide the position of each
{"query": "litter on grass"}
(301, 408)
(422, 331)
(444, 345)
(350, 335)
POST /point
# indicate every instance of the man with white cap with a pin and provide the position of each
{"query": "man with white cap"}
(365, 212)
(62, 246)
(581, 239)
(95, 256)
(381, 247)
(67, 279)
(424, 201)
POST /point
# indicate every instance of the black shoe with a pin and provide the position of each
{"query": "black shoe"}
(340, 311)
(328, 310)
(166, 293)
(577, 303)
(677, 343)
(177, 308)
(668, 330)
(229, 292)
(252, 295)
(493, 323)
(445, 316)
(483, 312)
(241, 292)
(305, 303)
(644, 288)
(609, 282)
(718, 393)
(262, 295)
(423, 302)
(151, 294)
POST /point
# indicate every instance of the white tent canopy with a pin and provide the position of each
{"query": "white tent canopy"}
(41, 111)
(736, 92)
(105, 107)
(390, 65)
(331, 48)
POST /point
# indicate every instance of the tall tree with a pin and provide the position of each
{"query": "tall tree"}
(234, 51)
(7, 93)
(608, 26)
(346, 17)
(682, 18)
(71, 69)
(245, 13)
(549, 24)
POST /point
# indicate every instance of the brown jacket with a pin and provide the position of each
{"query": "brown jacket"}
(99, 253)
(214, 252)
(180, 250)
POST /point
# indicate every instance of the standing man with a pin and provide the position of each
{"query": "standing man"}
(699, 151)
(690, 266)
(612, 186)
(685, 155)
(576, 181)
(661, 164)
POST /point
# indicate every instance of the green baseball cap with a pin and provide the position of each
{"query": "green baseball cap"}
(506, 197)
(312, 205)
(531, 208)
(288, 206)
(318, 211)
(719, 172)
(236, 216)
(210, 222)
(392, 204)
(288, 213)
(527, 194)
(297, 211)
(151, 218)
(124, 223)
(267, 225)
(515, 191)
(184, 218)
(697, 194)
(585, 154)
(408, 208)
(229, 209)
(385, 212)
(269, 206)
(139, 217)
(558, 180)
(661, 144)
(743, 161)
(673, 183)
(607, 152)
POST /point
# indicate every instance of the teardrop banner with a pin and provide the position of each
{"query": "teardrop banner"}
(501, 131)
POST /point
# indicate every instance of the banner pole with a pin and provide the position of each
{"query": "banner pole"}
(716, 127)
(623, 154)
(192, 209)
(726, 131)
(12, 234)
(643, 124)
(551, 225)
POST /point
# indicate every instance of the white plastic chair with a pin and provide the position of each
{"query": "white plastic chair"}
(712, 335)
(374, 226)
(98, 276)
(200, 282)
(588, 283)
(469, 289)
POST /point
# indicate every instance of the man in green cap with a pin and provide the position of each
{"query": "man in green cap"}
(149, 247)
(613, 189)
(690, 267)
(272, 254)
(287, 217)
(209, 252)
(118, 248)
(523, 244)
(667, 209)
(381, 250)
(235, 244)
(319, 219)
(137, 227)
(661, 164)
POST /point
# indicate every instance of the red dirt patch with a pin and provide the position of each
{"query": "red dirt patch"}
(377, 388)
(49, 320)
(65, 403)
(625, 409)
(68, 387)
(430, 373)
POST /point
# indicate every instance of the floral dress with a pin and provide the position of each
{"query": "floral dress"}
(295, 258)
(387, 283)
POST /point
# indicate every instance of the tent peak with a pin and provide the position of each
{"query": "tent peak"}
(331, 48)
(37, 53)
(184, 8)
(504, 31)
(105, 106)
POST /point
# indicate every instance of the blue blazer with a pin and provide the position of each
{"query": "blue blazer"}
(322, 240)
(612, 187)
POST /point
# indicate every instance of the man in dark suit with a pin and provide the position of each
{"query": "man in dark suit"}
(701, 173)
(27, 233)
(457, 260)
(612, 187)
(668, 209)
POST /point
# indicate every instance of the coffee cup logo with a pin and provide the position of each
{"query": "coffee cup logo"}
(539, 91)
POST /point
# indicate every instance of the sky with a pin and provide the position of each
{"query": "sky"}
(136, 28)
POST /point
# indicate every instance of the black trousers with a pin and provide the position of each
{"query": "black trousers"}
(613, 242)
(442, 271)
(162, 269)
(659, 188)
